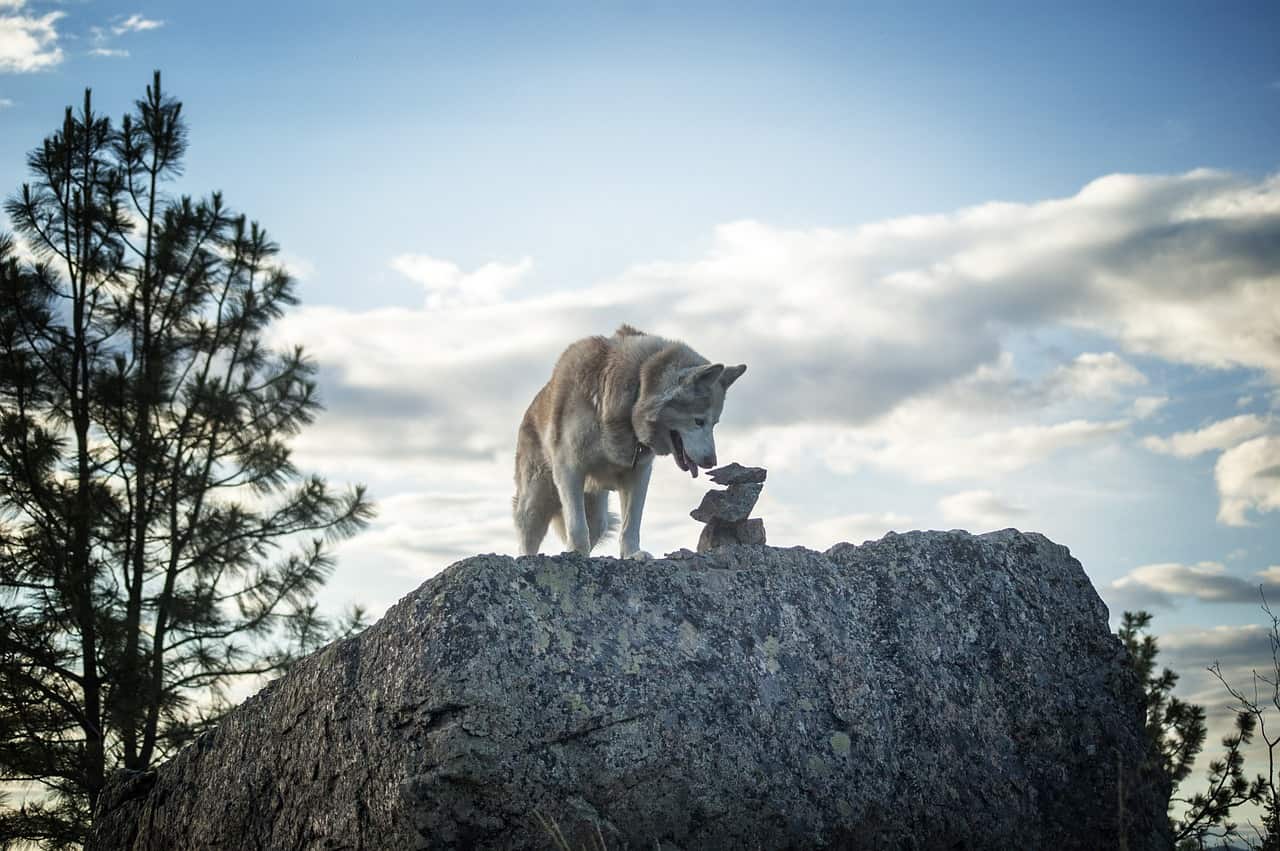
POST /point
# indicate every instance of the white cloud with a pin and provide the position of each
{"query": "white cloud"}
(136, 23)
(855, 528)
(1094, 375)
(1248, 478)
(5, 103)
(21, 250)
(1240, 650)
(103, 36)
(436, 528)
(28, 43)
(1145, 406)
(1219, 435)
(924, 448)
(1247, 472)
(298, 267)
(979, 511)
(1207, 581)
(949, 435)
(448, 286)
(1229, 644)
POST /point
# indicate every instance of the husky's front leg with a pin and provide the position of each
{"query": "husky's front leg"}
(570, 484)
(632, 493)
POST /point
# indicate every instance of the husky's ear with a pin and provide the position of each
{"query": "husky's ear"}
(701, 376)
(732, 374)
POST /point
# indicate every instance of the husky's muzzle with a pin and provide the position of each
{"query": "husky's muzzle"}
(683, 460)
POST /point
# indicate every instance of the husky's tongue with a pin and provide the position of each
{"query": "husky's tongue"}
(683, 461)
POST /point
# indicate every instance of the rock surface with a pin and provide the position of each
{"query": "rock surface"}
(925, 691)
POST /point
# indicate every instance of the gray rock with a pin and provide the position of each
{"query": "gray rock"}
(736, 474)
(716, 535)
(733, 503)
(925, 691)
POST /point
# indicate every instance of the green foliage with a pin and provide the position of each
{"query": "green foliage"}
(157, 544)
(1177, 731)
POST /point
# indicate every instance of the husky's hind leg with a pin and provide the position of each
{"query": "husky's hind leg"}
(534, 506)
(599, 521)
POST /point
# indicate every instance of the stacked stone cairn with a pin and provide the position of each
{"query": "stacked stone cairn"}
(725, 511)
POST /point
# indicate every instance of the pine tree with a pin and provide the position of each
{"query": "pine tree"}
(157, 543)
(1177, 730)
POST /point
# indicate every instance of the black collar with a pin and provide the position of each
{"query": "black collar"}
(640, 450)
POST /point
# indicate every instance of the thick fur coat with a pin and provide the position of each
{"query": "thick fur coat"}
(612, 404)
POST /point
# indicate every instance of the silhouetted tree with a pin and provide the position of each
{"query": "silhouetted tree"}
(156, 541)
(1177, 730)
(1257, 706)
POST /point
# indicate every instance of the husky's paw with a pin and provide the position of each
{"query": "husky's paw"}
(640, 555)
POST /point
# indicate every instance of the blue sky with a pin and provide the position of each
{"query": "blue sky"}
(989, 264)
(489, 131)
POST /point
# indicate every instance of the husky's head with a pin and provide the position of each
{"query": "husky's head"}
(689, 413)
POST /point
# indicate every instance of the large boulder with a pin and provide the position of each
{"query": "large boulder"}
(928, 690)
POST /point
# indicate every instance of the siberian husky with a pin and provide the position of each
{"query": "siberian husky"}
(612, 404)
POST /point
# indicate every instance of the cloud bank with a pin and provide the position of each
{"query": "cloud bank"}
(979, 510)
(1207, 581)
(842, 327)
(897, 346)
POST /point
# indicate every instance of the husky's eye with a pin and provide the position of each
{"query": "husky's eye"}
(699, 423)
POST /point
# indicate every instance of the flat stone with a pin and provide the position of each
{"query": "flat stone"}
(716, 535)
(736, 474)
(733, 503)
